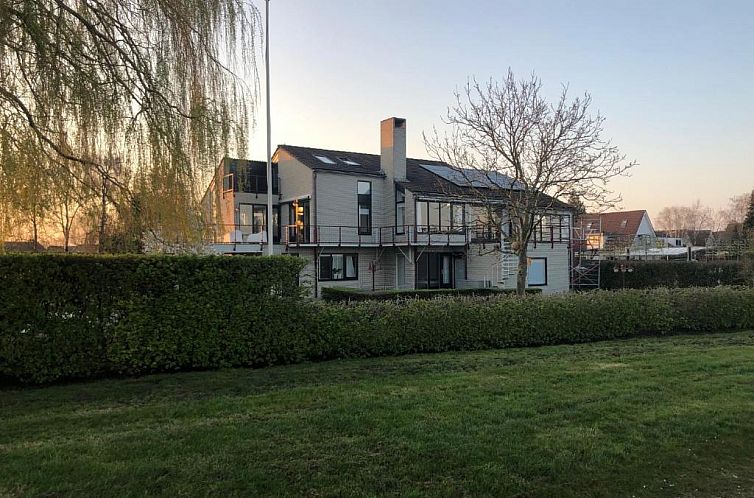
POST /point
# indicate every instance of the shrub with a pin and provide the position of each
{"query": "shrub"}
(650, 274)
(347, 294)
(67, 317)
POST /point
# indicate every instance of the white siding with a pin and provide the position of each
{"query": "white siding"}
(337, 197)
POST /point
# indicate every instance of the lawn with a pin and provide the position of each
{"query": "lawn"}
(647, 417)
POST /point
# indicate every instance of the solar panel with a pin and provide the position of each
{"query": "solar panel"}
(471, 178)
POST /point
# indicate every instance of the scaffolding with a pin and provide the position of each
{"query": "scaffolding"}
(586, 242)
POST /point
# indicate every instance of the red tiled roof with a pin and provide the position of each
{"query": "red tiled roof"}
(618, 223)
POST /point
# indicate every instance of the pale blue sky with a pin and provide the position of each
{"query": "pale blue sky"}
(674, 79)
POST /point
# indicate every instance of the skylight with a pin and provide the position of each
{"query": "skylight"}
(325, 159)
(623, 223)
(348, 160)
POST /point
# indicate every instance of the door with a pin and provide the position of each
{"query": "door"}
(434, 270)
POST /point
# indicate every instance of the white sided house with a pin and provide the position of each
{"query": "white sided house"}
(379, 221)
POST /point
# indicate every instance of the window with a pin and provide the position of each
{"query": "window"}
(252, 217)
(400, 211)
(325, 159)
(338, 267)
(251, 177)
(364, 206)
(348, 160)
(537, 274)
(434, 270)
(456, 216)
(298, 219)
(400, 270)
(439, 217)
(422, 215)
(444, 216)
(276, 224)
(623, 223)
(434, 216)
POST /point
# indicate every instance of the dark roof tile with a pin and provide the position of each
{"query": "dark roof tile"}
(418, 179)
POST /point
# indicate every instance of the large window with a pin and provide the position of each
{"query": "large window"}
(298, 219)
(364, 202)
(400, 210)
(439, 217)
(537, 275)
(434, 271)
(338, 267)
(251, 177)
(482, 222)
(252, 217)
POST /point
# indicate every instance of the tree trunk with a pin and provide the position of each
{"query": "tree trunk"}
(102, 219)
(34, 227)
(523, 268)
(66, 230)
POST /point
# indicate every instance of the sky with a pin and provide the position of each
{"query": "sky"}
(675, 80)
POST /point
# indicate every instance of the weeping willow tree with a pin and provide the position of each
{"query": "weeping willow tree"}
(162, 88)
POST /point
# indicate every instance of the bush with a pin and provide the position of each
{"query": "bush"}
(650, 274)
(68, 317)
(346, 294)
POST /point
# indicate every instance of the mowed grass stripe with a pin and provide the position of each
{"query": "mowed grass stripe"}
(669, 416)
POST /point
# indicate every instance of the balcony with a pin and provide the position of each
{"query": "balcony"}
(238, 238)
(390, 236)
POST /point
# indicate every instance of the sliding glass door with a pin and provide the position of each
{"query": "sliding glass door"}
(434, 270)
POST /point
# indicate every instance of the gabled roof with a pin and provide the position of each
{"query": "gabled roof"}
(418, 179)
(617, 223)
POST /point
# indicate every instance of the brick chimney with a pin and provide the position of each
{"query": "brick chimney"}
(393, 148)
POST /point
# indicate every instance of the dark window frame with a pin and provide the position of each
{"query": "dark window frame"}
(400, 226)
(529, 273)
(355, 257)
(363, 200)
(255, 206)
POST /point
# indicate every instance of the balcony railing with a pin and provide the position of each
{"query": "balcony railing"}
(400, 235)
(238, 234)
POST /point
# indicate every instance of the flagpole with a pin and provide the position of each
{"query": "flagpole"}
(269, 129)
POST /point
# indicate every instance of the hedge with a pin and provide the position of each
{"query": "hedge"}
(64, 317)
(67, 316)
(421, 326)
(346, 294)
(650, 274)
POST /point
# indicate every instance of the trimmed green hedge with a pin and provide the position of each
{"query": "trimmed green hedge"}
(420, 326)
(346, 294)
(68, 317)
(650, 274)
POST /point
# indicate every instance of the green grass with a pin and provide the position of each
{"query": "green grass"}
(648, 417)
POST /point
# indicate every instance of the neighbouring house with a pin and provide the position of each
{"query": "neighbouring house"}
(618, 232)
(378, 221)
(680, 238)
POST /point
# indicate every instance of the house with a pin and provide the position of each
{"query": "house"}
(618, 232)
(379, 221)
(682, 238)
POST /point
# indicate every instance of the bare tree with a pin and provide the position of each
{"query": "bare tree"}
(736, 210)
(544, 150)
(686, 221)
